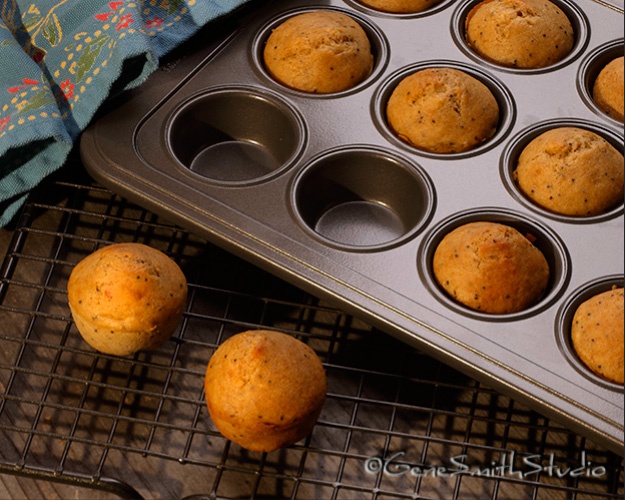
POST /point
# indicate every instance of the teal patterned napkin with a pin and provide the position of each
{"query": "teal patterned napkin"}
(61, 59)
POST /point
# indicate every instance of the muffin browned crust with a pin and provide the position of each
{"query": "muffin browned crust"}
(319, 52)
(608, 89)
(597, 334)
(442, 110)
(491, 268)
(126, 297)
(526, 34)
(571, 171)
(264, 389)
(400, 6)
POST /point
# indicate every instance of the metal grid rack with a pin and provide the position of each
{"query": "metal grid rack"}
(396, 424)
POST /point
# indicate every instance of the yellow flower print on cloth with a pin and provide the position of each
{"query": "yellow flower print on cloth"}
(61, 59)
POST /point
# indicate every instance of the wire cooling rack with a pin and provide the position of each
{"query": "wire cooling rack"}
(396, 423)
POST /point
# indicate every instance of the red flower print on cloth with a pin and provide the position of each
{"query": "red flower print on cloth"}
(26, 82)
(154, 23)
(68, 89)
(4, 121)
(124, 21)
(105, 16)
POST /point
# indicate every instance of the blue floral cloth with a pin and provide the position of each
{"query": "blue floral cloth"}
(61, 59)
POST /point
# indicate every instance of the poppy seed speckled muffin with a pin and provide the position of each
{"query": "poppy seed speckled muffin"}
(597, 334)
(319, 52)
(126, 297)
(608, 89)
(264, 389)
(525, 34)
(400, 6)
(571, 171)
(442, 110)
(491, 268)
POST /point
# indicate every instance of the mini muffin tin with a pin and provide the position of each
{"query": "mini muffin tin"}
(318, 190)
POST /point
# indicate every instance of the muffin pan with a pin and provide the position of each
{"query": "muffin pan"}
(318, 190)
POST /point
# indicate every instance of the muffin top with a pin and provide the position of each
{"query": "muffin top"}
(525, 34)
(491, 268)
(127, 287)
(597, 334)
(319, 52)
(443, 110)
(571, 171)
(608, 89)
(400, 6)
(264, 389)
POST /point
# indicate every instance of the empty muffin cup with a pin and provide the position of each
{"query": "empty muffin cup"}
(235, 135)
(564, 325)
(608, 104)
(362, 198)
(542, 237)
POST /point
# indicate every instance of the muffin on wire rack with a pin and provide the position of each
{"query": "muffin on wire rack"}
(264, 389)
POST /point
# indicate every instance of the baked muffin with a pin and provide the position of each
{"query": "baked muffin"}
(319, 52)
(126, 297)
(442, 110)
(607, 91)
(597, 334)
(571, 171)
(264, 389)
(400, 6)
(525, 34)
(491, 268)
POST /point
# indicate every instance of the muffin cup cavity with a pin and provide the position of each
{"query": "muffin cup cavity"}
(545, 239)
(505, 102)
(235, 135)
(576, 16)
(564, 321)
(515, 147)
(377, 40)
(589, 69)
(362, 199)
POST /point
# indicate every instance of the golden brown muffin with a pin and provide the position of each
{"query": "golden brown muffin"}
(597, 334)
(264, 389)
(126, 297)
(442, 110)
(319, 52)
(526, 34)
(608, 89)
(400, 6)
(571, 171)
(491, 268)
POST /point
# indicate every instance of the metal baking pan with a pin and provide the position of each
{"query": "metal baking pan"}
(214, 144)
